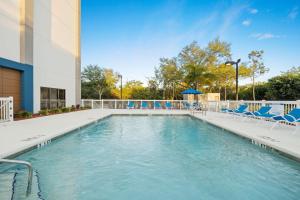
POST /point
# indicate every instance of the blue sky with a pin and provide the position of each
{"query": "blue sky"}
(130, 36)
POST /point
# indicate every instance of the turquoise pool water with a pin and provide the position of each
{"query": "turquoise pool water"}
(153, 157)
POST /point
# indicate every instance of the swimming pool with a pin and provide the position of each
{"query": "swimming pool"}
(153, 157)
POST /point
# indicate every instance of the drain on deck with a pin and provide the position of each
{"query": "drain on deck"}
(269, 138)
(32, 138)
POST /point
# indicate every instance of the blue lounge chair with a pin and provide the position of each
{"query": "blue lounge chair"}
(241, 109)
(196, 106)
(157, 105)
(186, 105)
(130, 105)
(293, 117)
(168, 105)
(144, 105)
(263, 111)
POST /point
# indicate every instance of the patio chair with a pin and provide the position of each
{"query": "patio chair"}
(186, 105)
(157, 105)
(168, 105)
(196, 106)
(293, 117)
(263, 111)
(144, 105)
(130, 105)
(240, 110)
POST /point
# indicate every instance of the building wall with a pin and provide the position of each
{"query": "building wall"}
(55, 47)
(10, 30)
(44, 35)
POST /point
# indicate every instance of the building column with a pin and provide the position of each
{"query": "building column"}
(26, 31)
(78, 54)
(26, 52)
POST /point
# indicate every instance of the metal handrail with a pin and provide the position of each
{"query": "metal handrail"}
(30, 171)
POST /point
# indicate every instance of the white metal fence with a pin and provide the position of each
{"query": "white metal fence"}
(137, 104)
(6, 109)
(278, 107)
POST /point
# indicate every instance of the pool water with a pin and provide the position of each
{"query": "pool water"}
(153, 157)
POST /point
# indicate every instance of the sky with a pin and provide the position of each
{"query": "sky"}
(130, 36)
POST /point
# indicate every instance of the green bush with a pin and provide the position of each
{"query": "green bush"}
(23, 114)
(55, 111)
(66, 109)
(18, 114)
(73, 108)
(85, 107)
(26, 114)
(44, 112)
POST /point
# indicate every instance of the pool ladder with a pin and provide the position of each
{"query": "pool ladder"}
(30, 171)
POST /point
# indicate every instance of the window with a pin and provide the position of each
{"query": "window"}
(52, 98)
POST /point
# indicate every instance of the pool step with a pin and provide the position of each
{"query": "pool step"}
(21, 185)
(13, 185)
(7, 181)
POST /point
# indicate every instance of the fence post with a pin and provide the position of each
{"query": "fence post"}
(92, 103)
(298, 103)
(102, 104)
(11, 108)
(115, 104)
(263, 102)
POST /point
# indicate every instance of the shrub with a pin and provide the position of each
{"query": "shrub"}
(78, 106)
(44, 112)
(26, 114)
(23, 114)
(18, 114)
(73, 108)
(55, 111)
(66, 109)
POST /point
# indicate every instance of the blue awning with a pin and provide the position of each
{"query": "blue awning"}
(191, 91)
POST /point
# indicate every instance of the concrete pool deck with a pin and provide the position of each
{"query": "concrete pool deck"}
(284, 138)
(18, 136)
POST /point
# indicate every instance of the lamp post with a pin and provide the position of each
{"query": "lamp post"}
(120, 76)
(236, 76)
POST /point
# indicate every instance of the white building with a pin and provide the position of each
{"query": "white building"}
(40, 53)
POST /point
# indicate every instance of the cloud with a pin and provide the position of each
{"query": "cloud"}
(229, 17)
(293, 13)
(253, 11)
(265, 36)
(247, 22)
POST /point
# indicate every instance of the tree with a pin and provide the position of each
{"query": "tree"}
(111, 79)
(285, 86)
(132, 87)
(98, 82)
(168, 74)
(293, 70)
(256, 67)
(154, 91)
(94, 76)
(194, 66)
(218, 53)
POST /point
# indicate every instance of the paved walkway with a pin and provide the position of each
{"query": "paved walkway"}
(20, 135)
(283, 138)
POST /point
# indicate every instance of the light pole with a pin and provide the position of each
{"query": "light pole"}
(120, 76)
(236, 76)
